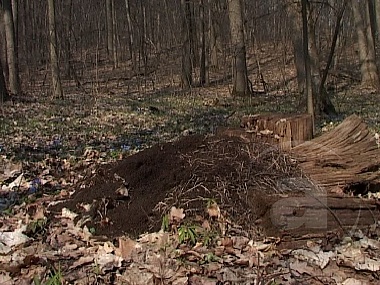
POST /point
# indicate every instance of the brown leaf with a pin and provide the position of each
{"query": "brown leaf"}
(127, 247)
(227, 241)
(213, 210)
(176, 215)
(239, 242)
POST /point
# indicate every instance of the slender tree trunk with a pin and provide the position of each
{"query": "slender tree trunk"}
(371, 31)
(12, 52)
(114, 35)
(322, 102)
(109, 24)
(203, 71)
(296, 32)
(377, 11)
(240, 73)
(3, 89)
(213, 37)
(309, 89)
(15, 19)
(187, 70)
(333, 45)
(369, 72)
(56, 81)
(131, 43)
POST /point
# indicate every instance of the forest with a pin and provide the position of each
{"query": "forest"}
(189, 142)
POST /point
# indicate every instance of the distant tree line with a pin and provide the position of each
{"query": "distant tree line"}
(66, 37)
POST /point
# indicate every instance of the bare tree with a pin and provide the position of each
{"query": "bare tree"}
(240, 73)
(368, 68)
(15, 18)
(12, 54)
(109, 23)
(3, 89)
(296, 32)
(130, 33)
(309, 88)
(204, 62)
(187, 70)
(56, 80)
(321, 100)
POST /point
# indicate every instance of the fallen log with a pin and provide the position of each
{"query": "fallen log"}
(346, 159)
(313, 214)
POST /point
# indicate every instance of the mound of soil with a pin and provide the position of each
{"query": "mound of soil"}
(241, 177)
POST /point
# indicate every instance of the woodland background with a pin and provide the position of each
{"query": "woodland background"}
(128, 72)
(85, 83)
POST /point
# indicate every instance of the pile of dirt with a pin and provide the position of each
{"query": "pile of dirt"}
(242, 178)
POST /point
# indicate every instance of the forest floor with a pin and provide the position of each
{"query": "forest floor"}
(85, 178)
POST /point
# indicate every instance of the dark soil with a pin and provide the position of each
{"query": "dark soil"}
(243, 178)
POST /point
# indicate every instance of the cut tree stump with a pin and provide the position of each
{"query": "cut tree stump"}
(287, 131)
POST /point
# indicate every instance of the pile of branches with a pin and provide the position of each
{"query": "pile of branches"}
(236, 175)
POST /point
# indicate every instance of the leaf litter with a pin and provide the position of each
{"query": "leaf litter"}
(225, 244)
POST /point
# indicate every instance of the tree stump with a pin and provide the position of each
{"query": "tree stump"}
(287, 131)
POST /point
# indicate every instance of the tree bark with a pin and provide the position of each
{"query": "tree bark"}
(109, 24)
(15, 19)
(56, 81)
(12, 52)
(3, 89)
(377, 11)
(368, 68)
(240, 73)
(213, 36)
(114, 35)
(309, 89)
(296, 32)
(131, 43)
(187, 70)
(203, 72)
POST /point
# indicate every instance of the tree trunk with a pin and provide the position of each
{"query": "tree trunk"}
(12, 54)
(3, 89)
(377, 11)
(131, 43)
(203, 72)
(187, 70)
(330, 59)
(114, 35)
(109, 24)
(369, 72)
(56, 81)
(15, 19)
(309, 89)
(240, 73)
(213, 36)
(322, 102)
(296, 32)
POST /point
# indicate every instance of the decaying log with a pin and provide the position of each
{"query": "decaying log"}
(308, 214)
(346, 158)
(286, 130)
